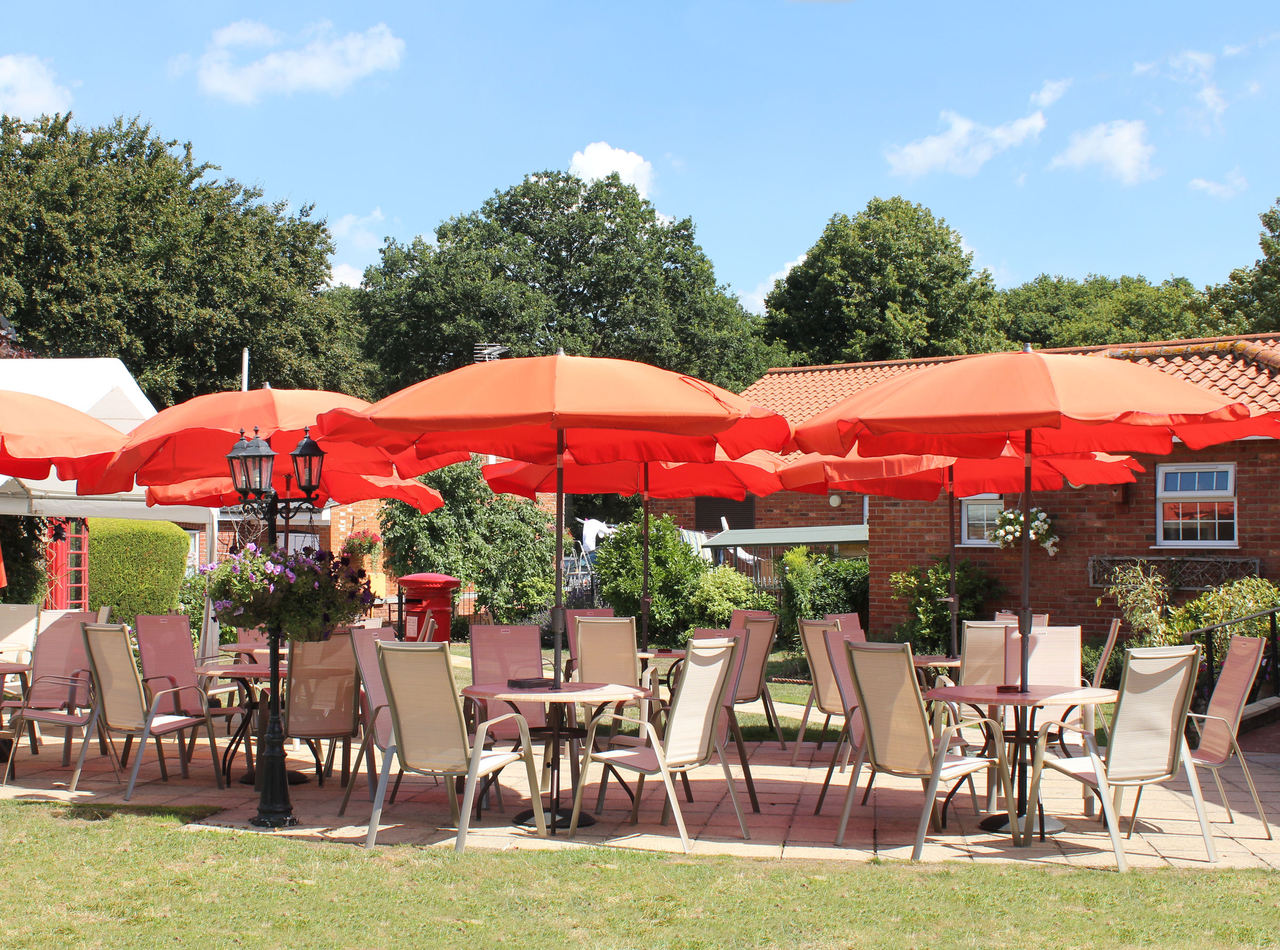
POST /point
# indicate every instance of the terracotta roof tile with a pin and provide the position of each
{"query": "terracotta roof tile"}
(1246, 368)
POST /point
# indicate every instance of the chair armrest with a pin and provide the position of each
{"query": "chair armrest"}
(22, 655)
(161, 693)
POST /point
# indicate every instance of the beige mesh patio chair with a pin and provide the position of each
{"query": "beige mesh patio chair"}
(571, 617)
(607, 654)
(1053, 659)
(729, 721)
(849, 623)
(694, 732)
(121, 704)
(900, 741)
(824, 693)
(322, 698)
(824, 646)
(429, 733)
(57, 696)
(18, 624)
(168, 660)
(1219, 724)
(1011, 617)
(762, 630)
(375, 714)
(1092, 723)
(502, 652)
(1147, 741)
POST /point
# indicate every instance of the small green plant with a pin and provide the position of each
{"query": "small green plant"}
(1142, 594)
(928, 625)
(674, 569)
(800, 573)
(1239, 598)
(720, 591)
(135, 567)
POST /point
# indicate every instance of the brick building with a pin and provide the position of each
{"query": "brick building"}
(1207, 516)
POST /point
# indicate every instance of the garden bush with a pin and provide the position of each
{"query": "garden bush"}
(135, 567)
(674, 570)
(842, 587)
(928, 627)
(720, 591)
(23, 541)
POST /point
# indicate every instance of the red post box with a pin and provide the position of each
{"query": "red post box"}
(428, 595)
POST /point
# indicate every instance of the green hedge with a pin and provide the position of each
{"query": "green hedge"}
(135, 567)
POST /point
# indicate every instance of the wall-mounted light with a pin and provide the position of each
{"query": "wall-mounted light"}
(834, 500)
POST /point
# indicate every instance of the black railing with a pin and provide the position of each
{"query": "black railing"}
(1211, 665)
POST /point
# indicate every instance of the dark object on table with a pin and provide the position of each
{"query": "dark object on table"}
(530, 682)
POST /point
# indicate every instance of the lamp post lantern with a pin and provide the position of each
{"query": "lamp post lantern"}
(251, 462)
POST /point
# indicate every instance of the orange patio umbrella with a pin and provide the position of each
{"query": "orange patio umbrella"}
(1047, 404)
(539, 409)
(756, 473)
(340, 487)
(37, 434)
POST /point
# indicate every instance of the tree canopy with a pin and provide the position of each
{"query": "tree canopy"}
(556, 262)
(1249, 300)
(115, 242)
(892, 282)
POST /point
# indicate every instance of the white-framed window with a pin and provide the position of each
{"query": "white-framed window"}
(195, 554)
(978, 515)
(1196, 505)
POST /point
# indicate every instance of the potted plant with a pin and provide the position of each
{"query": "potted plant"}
(1008, 530)
(362, 543)
(303, 595)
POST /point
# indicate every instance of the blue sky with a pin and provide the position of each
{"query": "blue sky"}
(1066, 138)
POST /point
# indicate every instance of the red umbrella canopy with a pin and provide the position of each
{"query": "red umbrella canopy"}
(340, 487)
(38, 433)
(973, 407)
(606, 410)
(755, 473)
(968, 476)
(818, 474)
(191, 440)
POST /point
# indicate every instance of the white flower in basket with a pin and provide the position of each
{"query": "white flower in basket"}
(1008, 530)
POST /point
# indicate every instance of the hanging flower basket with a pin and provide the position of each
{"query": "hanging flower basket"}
(304, 595)
(362, 543)
(1008, 530)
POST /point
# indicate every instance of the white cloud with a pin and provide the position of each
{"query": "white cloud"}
(344, 275)
(963, 148)
(600, 159)
(1192, 68)
(320, 60)
(359, 232)
(28, 88)
(1120, 147)
(1050, 92)
(754, 300)
(1234, 184)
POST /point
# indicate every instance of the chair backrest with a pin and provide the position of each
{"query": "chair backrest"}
(373, 695)
(1151, 712)
(18, 624)
(849, 623)
(251, 635)
(322, 698)
(607, 651)
(426, 713)
(60, 651)
(1113, 634)
(571, 625)
(761, 629)
(168, 657)
(984, 653)
(738, 619)
(1053, 656)
(1230, 693)
(838, 656)
(504, 652)
(374, 622)
(117, 687)
(813, 638)
(897, 734)
(700, 697)
(420, 633)
(1011, 617)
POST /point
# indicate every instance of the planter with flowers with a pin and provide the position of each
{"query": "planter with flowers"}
(363, 547)
(1008, 530)
(303, 595)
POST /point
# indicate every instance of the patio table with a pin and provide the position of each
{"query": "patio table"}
(1025, 704)
(596, 695)
(246, 674)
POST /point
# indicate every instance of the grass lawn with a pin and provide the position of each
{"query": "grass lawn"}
(86, 877)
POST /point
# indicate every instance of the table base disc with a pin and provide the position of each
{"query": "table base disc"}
(563, 817)
(1000, 823)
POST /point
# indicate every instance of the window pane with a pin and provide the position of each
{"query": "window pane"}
(980, 519)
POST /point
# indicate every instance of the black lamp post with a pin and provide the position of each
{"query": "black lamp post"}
(251, 462)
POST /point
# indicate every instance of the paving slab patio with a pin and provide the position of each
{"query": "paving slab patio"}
(1166, 835)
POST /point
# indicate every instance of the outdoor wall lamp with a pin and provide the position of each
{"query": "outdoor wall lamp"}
(251, 462)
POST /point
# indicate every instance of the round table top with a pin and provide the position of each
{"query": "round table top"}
(237, 671)
(8, 667)
(569, 692)
(937, 659)
(246, 646)
(662, 653)
(989, 694)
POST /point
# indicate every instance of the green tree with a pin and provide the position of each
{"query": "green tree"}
(674, 569)
(892, 282)
(115, 242)
(503, 545)
(1061, 311)
(559, 263)
(1249, 301)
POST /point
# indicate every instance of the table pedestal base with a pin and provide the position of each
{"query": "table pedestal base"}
(561, 819)
(999, 823)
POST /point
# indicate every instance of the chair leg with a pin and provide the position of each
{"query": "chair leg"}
(213, 750)
(1111, 816)
(378, 795)
(1248, 777)
(674, 804)
(1198, 798)
(733, 796)
(1133, 818)
(89, 730)
(635, 803)
(577, 795)
(804, 722)
(1222, 794)
(772, 715)
(742, 758)
(531, 773)
(688, 788)
(363, 750)
(848, 805)
(831, 770)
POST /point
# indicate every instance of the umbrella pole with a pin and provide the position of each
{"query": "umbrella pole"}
(645, 599)
(557, 612)
(953, 601)
(1024, 616)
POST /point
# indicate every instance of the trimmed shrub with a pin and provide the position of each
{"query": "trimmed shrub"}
(814, 585)
(800, 574)
(928, 628)
(722, 590)
(843, 586)
(135, 567)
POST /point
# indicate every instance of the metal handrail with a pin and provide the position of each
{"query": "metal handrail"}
(1208, 632)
